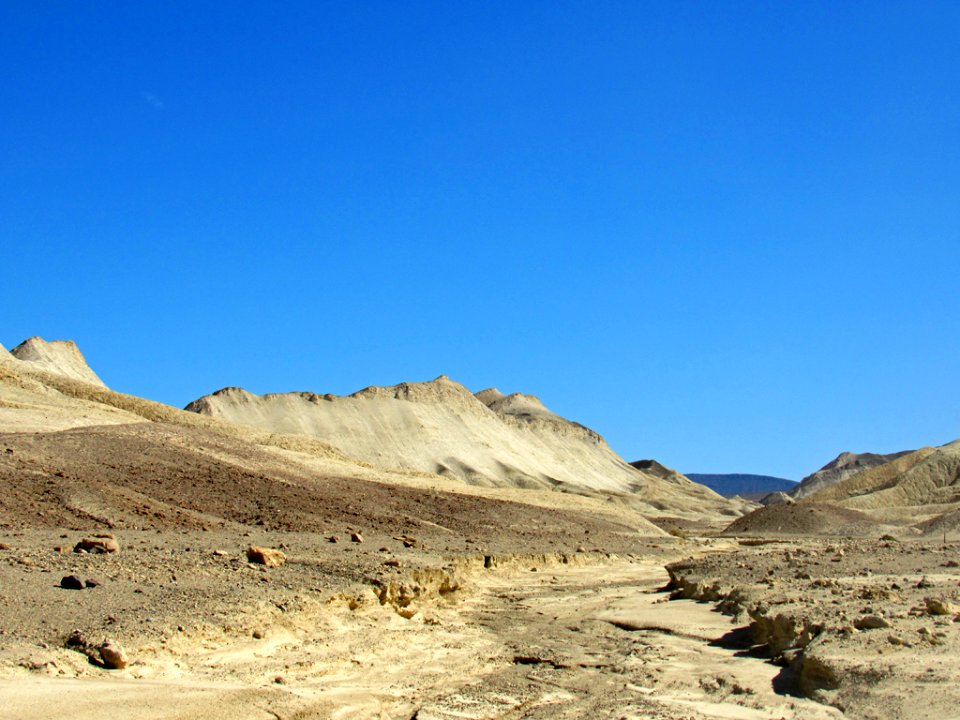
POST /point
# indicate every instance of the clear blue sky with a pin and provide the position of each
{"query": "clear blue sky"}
(725, 235)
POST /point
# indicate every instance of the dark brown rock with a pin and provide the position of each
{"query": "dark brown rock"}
(71, 582)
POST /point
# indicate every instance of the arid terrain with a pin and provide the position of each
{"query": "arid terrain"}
(529, 574)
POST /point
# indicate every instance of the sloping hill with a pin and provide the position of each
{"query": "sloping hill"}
(488, 439)
(845, 465)
(919, 490)
(926, 477)
(805, 519)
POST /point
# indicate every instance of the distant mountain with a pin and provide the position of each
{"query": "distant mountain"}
(749, 487)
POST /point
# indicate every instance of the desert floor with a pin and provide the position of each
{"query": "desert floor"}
(546, 636)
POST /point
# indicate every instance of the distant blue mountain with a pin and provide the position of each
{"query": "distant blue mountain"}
(751, 487)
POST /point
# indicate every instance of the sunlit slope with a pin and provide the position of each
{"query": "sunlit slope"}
(926, 477)
(489, 439)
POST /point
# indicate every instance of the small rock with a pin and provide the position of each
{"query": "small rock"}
(220, 553)
(333, 539)
(266, 556)
(112, 655)
(4, 546)
(392, 563)
(98, 544)
(871, 622)
(71, 582)
(92, 582)
(356, 537)
(258, 634)
(280, 680)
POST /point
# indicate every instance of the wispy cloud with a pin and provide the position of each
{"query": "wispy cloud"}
(152, 100)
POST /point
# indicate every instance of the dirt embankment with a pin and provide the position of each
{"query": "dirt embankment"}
(858, 624)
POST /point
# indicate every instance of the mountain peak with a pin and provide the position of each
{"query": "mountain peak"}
(62, 357)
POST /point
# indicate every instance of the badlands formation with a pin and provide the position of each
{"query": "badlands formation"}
(420, 551)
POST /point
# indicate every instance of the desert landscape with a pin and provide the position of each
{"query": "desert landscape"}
(420, 551)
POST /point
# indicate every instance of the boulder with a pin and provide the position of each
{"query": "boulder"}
(871, 622)
(71, 582)
(939, 606)
(265, 556)
(112, 655)
(102, 543)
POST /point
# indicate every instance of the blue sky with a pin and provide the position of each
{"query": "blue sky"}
(724, 235)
